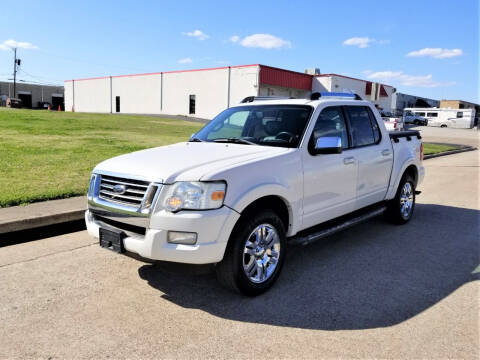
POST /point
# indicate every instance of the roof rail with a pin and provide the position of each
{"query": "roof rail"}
(339, 95)
(263, 98)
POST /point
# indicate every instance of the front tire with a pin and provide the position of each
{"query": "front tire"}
(255, 254)
(400, 209)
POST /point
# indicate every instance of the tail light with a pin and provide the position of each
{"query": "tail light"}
(421, 151)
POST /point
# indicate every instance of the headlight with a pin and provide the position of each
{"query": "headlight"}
(193, 196)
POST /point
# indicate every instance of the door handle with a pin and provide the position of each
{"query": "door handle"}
(386, 152)
(349, 160)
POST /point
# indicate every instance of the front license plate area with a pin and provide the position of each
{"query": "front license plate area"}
(112, 240)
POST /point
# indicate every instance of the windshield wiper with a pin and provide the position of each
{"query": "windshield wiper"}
(234, 140)
(195, 139)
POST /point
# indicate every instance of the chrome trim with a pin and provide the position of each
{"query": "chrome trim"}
(113, 210)
(127, 176)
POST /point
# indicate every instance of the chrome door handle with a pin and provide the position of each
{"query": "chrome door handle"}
(386, 152)
(349, 160)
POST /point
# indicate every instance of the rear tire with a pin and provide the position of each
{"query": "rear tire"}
(255, 254)
(400, 208)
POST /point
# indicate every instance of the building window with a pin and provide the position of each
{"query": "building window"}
(117, 103)
(432, 114)
(461, 106)
(459, 114)
(191, 109)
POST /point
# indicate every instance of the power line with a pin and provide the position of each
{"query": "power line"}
(39, 77)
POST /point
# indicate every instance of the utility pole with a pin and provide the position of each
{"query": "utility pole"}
(15, 63)
(15, 73)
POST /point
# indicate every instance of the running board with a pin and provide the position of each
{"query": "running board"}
(334, 226)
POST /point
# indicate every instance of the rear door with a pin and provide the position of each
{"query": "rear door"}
(373, 153)
(329, 179)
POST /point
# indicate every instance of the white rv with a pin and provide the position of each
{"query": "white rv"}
(444, 117)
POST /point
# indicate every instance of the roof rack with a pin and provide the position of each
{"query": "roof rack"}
(263, 98)
(338, 95)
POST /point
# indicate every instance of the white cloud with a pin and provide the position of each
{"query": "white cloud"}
(437, 53)
(185, 61)
(406, 79)
(264, 41)
(200, 35)
(361, 42)
(364, 42)
(11, 44)
(234, 38)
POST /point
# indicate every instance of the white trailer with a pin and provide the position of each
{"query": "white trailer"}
(444, 117)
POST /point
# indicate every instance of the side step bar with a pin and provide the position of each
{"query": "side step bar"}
(334, 226)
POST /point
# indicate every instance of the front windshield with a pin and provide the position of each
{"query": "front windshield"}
(270, 125)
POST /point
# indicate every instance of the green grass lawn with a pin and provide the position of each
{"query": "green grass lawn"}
(49, 155)
(429, 149)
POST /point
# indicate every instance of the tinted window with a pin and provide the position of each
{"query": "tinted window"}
(420, 113)
(459, 114)
(271, 125)
(432, 114)
(330, 122)
(360, 125)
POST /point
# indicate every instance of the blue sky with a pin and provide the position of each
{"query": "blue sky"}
(427, 48)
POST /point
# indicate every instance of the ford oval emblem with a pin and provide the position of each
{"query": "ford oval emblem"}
(119, 189)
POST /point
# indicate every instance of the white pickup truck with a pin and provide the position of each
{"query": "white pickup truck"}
(259, 176)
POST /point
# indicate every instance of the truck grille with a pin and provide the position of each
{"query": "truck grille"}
(132, 194)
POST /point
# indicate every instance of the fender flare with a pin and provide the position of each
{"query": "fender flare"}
(259, 191)
(393, 187)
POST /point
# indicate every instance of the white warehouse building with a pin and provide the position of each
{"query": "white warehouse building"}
(203, 93)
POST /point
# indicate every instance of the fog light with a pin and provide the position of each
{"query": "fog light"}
(179, 237)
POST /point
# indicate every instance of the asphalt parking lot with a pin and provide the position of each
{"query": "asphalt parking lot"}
(376, 290)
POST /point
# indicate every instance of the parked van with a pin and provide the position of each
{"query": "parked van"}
(444, 117)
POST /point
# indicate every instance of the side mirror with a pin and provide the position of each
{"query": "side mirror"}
(328, 145)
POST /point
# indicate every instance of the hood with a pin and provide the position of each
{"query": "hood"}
(187, 161)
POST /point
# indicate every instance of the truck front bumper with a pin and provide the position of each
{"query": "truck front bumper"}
(213, 228)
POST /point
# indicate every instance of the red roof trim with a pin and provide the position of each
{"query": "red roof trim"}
(347, 77)
(165, 72)
(285, 78)
(284, 70)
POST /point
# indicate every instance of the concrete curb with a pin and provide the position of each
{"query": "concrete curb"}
(17, 218)
(450, 152)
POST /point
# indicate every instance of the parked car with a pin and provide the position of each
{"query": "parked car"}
(14, 103)
(410, 117)
(392, 123)
(258, 176)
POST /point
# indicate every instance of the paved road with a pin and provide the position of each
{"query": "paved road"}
(450, 136)
(373, 291)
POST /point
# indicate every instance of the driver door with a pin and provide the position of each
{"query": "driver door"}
(329, 179)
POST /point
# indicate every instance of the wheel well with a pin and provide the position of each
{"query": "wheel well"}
(274, 203)
(413, 172)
